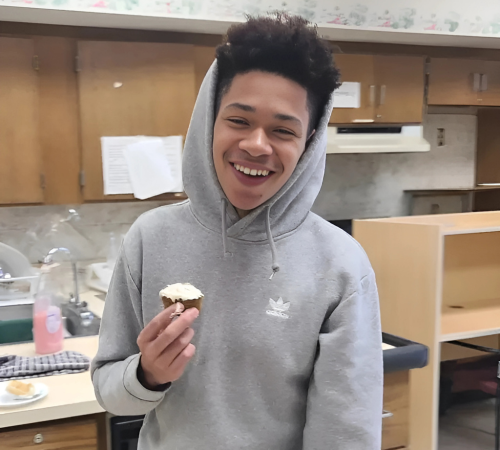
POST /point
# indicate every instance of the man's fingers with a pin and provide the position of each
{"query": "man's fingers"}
(156, 326)
(179, 363)
(176, 347)
(174, 330)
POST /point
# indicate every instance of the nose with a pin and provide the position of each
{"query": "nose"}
(256, 143)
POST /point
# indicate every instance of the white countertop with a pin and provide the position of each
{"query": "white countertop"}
(69, 395)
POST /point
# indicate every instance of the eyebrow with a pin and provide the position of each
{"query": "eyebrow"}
(242, 106)
(248, 108)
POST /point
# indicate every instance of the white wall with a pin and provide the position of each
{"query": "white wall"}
(372, 185)
(459, 18)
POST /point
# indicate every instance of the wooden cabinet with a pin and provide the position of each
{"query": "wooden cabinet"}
(21, 161)
(400, 80)
(358, 68)
(437, 278)
(395, 425)
(203, 59)
(464, 82)
(392, 89)
(59, 120)
(488, 147)
(127, 89)
(73, 434)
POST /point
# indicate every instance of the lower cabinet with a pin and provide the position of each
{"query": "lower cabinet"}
(71, 434)
(395, 424)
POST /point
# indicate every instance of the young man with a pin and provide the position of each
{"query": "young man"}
(288, 343)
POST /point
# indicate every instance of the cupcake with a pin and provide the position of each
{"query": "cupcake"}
(183, 295)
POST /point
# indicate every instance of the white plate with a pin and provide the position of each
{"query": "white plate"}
(8, 400)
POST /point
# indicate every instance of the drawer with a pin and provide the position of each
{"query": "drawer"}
(395, 428)
(75, 434)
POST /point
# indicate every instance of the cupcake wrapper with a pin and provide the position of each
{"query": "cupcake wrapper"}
(187, 303)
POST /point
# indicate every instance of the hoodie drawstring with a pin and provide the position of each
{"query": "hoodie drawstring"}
(223, 206)
(275, 265)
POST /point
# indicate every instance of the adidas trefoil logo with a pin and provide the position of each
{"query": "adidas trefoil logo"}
(278, 308)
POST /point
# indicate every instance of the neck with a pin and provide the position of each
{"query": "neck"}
(242, 212)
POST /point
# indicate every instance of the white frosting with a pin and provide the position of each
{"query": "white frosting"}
(181, 292)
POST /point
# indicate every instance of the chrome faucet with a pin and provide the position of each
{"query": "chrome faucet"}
(48, 260)
(79, 320)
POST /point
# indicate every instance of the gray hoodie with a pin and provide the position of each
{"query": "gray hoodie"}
(288, 363)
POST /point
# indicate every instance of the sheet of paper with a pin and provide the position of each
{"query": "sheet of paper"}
(348, 95)
(114, 165)
(155, 166)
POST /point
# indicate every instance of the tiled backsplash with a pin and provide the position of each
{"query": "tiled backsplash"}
(33, 230)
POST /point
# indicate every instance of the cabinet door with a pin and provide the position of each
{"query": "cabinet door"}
(78, 434)
(357, 68)
(203, 59)
(451, 81)
(489, 94)
(488, 146)
(395, 428)
(21, 159)
(400, 85)
(129, 89)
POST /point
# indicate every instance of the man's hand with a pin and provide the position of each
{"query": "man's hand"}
(166, 346)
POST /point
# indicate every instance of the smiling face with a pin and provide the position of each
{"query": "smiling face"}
(260, 134)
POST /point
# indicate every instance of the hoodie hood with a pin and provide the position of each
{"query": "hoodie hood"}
(287, 209)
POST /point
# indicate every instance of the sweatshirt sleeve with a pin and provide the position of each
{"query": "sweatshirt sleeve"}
(344, 405)
(114, 369)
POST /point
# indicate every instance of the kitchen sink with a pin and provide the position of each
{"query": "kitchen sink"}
(16, 323)
(16, 312)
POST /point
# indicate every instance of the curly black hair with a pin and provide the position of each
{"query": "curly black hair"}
(284, 45)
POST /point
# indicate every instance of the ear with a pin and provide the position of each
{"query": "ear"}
(311, 135)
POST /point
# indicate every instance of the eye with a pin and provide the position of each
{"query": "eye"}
(285, 132)
(237, 121)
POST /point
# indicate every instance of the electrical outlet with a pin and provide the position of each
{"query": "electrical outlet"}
(440, 137)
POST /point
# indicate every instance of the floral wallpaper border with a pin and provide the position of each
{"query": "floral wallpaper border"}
(425, 16)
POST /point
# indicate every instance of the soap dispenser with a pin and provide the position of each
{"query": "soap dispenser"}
(48, 329)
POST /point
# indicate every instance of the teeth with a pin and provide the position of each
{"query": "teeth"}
(251, 172)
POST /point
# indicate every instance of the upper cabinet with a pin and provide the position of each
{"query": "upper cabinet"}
(392, 89)
(203, 59)
(21, 166)
(464, 82)
(128, 89)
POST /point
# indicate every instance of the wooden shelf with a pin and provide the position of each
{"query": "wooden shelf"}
(471, 320)
(467, 229)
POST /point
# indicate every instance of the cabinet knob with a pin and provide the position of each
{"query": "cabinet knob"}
(379, 116)
(386, 414)
(38, 439)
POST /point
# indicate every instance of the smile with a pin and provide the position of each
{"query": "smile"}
(251, 172)
(250, 177)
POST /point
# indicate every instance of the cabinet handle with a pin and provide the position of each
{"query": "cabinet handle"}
(383, 89)
(38, 439)
(386, 414)
(476, 84)
(484, 82)
(372, 94)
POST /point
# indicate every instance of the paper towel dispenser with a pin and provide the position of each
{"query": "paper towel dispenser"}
(376, 139)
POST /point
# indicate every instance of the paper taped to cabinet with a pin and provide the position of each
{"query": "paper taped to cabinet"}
(141, 165)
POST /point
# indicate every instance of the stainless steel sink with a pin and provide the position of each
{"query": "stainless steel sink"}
(78, 321)
(15, 312)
